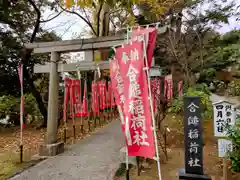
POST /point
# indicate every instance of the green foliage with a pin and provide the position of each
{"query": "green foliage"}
(10, 105)
(234, 88)
(200, 90)
(233, 133)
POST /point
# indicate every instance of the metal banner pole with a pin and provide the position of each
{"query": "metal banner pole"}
(73, 115)
(151, 108)
(65, 105)
(126, 124)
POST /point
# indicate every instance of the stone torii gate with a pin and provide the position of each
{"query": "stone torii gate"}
(51, 147)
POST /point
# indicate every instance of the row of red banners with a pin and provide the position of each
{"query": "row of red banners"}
(102, 95)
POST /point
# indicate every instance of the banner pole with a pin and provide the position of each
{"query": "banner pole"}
(73, 115)
(81, 100)
(126, 124)
(21, 115)
(127, 167)
(65, 107)
(65, 115)
(151, 107)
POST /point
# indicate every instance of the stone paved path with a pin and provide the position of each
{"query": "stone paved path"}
(93, 158)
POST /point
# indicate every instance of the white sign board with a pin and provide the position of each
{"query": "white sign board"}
(224, 146)
(223, 114)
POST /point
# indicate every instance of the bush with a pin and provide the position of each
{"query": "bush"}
(200, 90)
(10, 105)
(233, 133)
(234, 88)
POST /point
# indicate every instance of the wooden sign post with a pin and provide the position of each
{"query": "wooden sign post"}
(224, 115)
(193, 141)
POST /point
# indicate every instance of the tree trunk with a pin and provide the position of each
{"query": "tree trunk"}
(104, 20)
(174, 66)
(26, 55)
(37, 95)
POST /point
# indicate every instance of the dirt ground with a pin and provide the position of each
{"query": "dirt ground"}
(32, 139)
(175, 148)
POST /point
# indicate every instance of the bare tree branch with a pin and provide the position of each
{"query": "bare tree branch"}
(81, 17)
(98, 18)
(47, 20)
(37, 24)
(68, 28)
(59, 25)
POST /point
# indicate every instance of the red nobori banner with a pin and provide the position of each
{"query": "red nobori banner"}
(76, 96)
(168, 91)
(102, 94)
(109, 94)
(95, 98)
(117, 88)
(155, 88)
(85, 102)
(138, 122)
(180, 88)
(81, 108)
(73, 93)
(150, 36)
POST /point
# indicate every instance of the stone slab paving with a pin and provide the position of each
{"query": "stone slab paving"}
(93, 158)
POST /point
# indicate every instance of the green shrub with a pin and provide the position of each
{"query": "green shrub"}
(10, 105)
(201, 91)
(233, 133)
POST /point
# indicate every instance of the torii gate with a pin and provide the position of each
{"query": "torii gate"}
(51, 146)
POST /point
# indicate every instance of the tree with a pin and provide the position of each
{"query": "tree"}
(187, 49)
(20, 24)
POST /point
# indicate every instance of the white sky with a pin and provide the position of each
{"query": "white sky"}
(69, 26)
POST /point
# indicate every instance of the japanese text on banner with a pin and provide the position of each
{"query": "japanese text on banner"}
(136, 106)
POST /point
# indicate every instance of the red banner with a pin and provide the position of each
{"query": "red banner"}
(95, 98)
(20, 75)
(168, 91)
(77, 97)
(117, 88)
(170, 84)
(73, 93)
(155, 88)
(102, 94)
(180, 88)
(138, 122)
(84, 111)
(150, 36)
(67, 89)
(109, 94)
(81, 105)
(111, 99)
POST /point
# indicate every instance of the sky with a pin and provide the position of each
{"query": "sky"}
(69, 26)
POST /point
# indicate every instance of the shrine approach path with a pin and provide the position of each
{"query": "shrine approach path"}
(94, 158)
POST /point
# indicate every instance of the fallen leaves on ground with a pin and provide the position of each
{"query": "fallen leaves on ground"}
(32, 139)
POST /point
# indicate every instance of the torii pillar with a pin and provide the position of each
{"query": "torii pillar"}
(51, 147)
